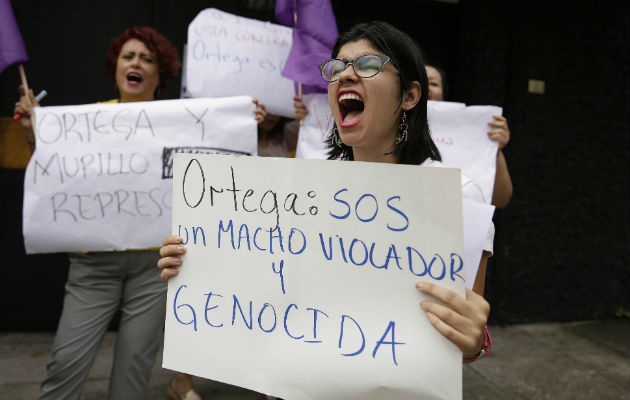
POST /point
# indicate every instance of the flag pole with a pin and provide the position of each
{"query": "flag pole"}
(31, 141)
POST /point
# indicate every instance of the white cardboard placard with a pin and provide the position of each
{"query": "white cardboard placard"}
(299, 276)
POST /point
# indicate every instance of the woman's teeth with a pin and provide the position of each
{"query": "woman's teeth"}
(351, 106)
(349, 96)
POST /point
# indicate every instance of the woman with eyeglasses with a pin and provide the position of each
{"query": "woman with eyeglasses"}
(378, 91)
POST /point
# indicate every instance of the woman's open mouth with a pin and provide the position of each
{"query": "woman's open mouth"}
(134, 78)
(350, 108)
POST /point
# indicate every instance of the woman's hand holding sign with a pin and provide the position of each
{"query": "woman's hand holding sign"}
(171, 252)
(462, 321)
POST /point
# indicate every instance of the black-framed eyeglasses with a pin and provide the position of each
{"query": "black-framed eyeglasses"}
(365, 66)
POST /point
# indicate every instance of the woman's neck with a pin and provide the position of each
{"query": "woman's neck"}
(360, 154)
(130, 99)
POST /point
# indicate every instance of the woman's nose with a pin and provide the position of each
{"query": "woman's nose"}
(348, 73)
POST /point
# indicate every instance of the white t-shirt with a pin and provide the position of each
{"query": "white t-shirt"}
(470, 191)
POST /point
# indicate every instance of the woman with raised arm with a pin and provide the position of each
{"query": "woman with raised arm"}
(101, 284)
(499, 131)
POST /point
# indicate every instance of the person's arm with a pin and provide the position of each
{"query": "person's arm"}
(480, 280)
(502, 192)
(460, 320)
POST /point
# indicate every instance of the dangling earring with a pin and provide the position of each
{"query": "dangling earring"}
(402, 129)
(336, 138)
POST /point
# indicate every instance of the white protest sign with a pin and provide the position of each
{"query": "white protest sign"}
(461, 134)
(228, 55)
(302, 285)
(100, 178)
(315, 127)
(477, 221)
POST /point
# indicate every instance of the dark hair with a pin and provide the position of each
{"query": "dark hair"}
(166, 55)
(406, 56)
(445, 85)
(276, 133)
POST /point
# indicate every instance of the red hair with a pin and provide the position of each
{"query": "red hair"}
(166, 55)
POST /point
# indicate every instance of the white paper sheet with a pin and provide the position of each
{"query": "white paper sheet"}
(228, 55)
(100, 178)
(477, 220)
(315, 127)
(461, 134)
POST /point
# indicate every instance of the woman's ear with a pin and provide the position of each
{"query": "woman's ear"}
(411, 96)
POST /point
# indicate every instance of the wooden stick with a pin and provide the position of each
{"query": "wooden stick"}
(28, 100)
(24, 82)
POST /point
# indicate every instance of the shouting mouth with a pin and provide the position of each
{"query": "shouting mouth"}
(134, 78)
(350, 108)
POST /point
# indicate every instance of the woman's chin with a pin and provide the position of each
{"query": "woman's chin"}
(350, 140)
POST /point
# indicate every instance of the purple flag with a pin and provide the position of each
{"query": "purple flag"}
(314, 37)
(12, 50)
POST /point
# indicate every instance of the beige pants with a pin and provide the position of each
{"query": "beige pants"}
(99, 284)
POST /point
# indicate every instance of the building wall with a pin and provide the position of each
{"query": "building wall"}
(562, 246)
(561, 249)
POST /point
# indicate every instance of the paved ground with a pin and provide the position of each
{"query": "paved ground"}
(579, 360)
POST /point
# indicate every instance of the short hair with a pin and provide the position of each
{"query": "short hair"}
(406, 56)
(166, 55)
